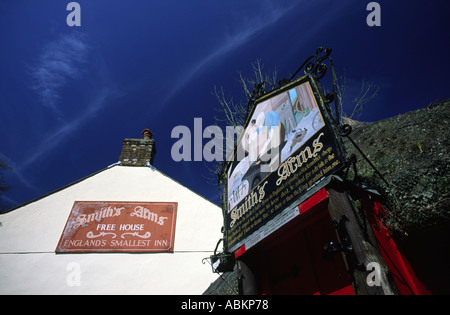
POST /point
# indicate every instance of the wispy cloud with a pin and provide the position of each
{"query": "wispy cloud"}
(60, 133)
(58, 62)
(266, 14)
(48, 145)
(245, 25)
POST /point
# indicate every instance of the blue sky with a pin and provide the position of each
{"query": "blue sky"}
(70, 95)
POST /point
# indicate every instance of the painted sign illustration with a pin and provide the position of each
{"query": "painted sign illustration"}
(288, 146)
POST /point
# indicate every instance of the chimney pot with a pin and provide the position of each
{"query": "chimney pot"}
(147, 134)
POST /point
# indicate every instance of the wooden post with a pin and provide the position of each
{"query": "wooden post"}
(365, 249)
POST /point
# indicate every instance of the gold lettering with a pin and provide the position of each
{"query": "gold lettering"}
(317, 145)
(291, 165)
(233, 217)
(283, 172)
(249, 202)
(261, 191)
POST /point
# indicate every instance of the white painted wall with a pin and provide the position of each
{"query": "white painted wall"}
(30, 234)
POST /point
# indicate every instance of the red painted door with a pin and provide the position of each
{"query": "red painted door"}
(293, 262)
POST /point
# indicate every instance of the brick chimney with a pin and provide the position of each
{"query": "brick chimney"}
(138, 152)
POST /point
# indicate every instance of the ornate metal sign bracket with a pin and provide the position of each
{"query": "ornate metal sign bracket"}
(315, 66)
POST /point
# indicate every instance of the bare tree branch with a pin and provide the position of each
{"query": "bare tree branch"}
(367, 92)
(233, 113)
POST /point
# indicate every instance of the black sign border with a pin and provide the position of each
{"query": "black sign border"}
(332, 138)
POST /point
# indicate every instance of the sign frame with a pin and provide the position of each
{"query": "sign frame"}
(282, 186)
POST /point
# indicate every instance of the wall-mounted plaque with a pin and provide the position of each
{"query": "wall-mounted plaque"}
(115, 226)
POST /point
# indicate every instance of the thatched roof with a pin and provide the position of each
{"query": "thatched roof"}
(412, 152)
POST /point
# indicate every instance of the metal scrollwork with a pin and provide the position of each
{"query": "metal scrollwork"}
(205, 260)
(317, 67)
(314, 65)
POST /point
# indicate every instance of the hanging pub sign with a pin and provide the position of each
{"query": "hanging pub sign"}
(287, 147)
(113, 226)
